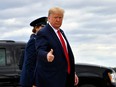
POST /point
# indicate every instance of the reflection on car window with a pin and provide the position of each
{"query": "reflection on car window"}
(2, 57)
(9, 58)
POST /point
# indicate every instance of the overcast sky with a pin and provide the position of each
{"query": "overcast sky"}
(90, 25)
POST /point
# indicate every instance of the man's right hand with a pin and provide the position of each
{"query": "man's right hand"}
(50, 56)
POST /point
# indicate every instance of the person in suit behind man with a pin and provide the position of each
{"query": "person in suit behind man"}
(27, 78)
(55, 61)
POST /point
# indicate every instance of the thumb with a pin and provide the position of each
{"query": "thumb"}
(51, 51)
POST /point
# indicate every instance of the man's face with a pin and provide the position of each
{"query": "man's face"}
(55, 20)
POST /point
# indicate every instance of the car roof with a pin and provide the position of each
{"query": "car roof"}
(11, 42)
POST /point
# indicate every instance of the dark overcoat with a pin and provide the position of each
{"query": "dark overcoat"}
(27, 74)
(52, 74)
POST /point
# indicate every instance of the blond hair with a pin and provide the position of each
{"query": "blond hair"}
(55, 10)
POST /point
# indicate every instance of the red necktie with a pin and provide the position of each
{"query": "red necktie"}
(65, 49)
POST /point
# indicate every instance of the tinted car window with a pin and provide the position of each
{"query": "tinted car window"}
(2, 57)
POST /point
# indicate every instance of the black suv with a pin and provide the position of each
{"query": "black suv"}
(95, 76)
(89, 75)
(10, 53)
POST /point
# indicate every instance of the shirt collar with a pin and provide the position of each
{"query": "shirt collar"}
(55, 30)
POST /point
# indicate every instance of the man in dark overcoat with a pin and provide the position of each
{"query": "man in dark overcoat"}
(55, 62)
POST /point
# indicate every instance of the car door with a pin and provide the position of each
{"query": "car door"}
(6, 60)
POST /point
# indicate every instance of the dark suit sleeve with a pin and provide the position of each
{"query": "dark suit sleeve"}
(41, 46)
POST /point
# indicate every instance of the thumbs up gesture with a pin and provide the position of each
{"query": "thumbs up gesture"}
(50, 56)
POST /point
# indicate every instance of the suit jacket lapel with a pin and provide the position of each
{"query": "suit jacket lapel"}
(68, 46)
(54, 36)
(64, 36)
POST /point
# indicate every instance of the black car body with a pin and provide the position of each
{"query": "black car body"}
(10, 54)
(95, 76)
